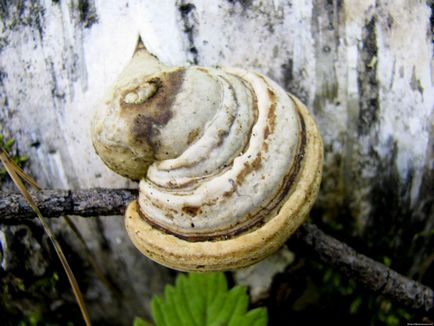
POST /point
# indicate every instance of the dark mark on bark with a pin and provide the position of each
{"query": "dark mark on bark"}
(287, 73)
(3, 43)
(35, 144)
(56, 92)
(325, 19)
(292, 84)
(3, 75)
(246, 4)
(396, 229)
(431, 33)
(187, 11)
(87, 11)
(369, 102)
(15, 14)
(389, 21)
(415, 83)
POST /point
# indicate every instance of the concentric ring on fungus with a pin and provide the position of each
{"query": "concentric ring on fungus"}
(230, 164)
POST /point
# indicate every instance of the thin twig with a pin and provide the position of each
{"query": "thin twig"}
(56, 203)
(374, 275)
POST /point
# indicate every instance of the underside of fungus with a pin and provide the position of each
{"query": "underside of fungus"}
(229, 163)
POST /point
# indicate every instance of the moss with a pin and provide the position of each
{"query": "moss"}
(7, 144)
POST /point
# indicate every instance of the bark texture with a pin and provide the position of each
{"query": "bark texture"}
(363, 67)
(56, 203)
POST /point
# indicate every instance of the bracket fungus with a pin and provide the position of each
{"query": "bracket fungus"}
(229, 163)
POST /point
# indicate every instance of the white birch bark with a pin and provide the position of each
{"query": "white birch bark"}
(363, 67)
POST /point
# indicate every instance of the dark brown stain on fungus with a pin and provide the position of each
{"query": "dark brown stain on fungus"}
(248, 168)
(191, 210)
(192, 136)
(257, 163)
(221, 134)
(148, 117)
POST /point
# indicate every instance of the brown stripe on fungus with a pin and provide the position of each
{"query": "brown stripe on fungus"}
(271, 118)
(249, 168)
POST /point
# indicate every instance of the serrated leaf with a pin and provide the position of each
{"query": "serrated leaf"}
(217, 284)
(241, 305)
(170, 315)
(203, 299)
(195, 295)
(256, 317)
(157, 311)
(217, 305)
(230, 305)
(183, 296)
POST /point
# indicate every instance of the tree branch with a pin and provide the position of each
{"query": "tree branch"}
(362, 269)
(94, 202)
(55, 203)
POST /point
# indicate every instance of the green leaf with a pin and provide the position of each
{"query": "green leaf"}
(141, 322)
(203, 299)
(231, 304)
(157, 310)
(9, 143)
(257, 317)
(355, 305)
(182, 295)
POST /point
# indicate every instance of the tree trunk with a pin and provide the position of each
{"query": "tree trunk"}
(362, 67)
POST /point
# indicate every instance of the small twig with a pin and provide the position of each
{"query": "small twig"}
(374, 275)
(56, 203)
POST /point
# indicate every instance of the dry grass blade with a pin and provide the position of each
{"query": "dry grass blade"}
(15, 173)
(13, 166)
